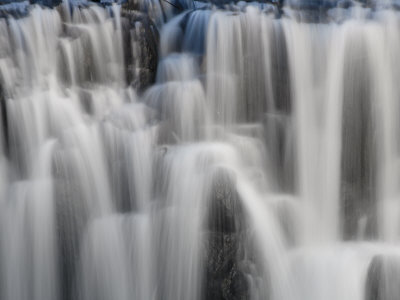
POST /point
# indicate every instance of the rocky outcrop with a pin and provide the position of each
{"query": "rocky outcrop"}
(383, 280)
(224, 277)
(140, 38)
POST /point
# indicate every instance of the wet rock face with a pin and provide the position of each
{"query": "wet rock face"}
(225, 211)
(224, 278)
(140, 38)
(383, 280)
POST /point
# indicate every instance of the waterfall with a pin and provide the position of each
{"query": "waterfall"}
(238, 151)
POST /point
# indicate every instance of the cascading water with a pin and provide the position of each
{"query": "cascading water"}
(263, 163)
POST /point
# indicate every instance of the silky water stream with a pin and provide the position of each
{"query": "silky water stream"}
(263, 163)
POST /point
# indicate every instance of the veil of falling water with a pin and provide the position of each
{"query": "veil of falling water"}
(263, 163)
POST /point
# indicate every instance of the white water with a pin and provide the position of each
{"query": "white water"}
(105, 194)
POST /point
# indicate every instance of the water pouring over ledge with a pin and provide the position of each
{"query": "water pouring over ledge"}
(261, 163)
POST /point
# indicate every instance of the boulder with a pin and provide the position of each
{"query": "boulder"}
(141, 39)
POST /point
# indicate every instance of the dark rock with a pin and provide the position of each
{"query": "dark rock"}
(47, 3)
(323, 5)
(235, 286)
(110, 2)
(224, 278)
(383, 279)
(223, 3)
(157, 10)
(312, 4)
(345, 4)
(141, 39)
(225, 210)
(131, 5)
(143, 78)
(222, 253)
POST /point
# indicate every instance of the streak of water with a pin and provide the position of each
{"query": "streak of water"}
(256, 167)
